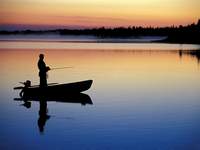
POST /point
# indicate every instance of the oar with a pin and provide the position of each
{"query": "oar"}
(21, 87)
(47, 84)
(18, 88)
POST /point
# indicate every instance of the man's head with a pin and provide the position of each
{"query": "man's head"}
(41, 56)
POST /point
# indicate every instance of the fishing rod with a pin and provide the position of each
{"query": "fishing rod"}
(60, 68)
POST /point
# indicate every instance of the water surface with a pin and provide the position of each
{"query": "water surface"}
(142, 99)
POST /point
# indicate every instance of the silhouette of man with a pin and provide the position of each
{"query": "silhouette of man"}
(43, 69)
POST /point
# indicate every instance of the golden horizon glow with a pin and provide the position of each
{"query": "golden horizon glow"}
(95, 13)
(137, 67)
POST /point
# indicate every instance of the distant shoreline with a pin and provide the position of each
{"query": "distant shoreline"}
(105, 40)
(165, 39)
(78, 39)
(189, 34)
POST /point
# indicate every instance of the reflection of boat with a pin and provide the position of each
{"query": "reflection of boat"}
(56, 89)
(43, 99)
(71, 98)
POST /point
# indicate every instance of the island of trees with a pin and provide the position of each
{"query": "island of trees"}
(175, 34)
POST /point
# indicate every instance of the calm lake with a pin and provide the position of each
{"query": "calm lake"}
(145, 96)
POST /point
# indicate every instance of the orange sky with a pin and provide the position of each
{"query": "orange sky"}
(95, 13)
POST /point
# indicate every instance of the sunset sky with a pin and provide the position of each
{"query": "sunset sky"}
(96, 13)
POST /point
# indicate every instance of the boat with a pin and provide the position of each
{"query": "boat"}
(55, 89)
(71, 98)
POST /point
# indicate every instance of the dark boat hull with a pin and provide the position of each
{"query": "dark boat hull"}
(58, 90)
(72, 98)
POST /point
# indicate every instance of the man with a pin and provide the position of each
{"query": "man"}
(43, 69)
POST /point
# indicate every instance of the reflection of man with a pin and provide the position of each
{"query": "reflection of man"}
(43, 69)
(43, 116)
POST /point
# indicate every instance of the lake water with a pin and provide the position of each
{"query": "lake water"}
(145, 96)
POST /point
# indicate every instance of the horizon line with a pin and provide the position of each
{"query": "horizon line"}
(37, 27)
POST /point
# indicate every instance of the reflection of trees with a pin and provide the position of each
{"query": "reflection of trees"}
(192, 53)
(195, 54)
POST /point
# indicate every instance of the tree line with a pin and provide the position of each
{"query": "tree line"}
(177, 34)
